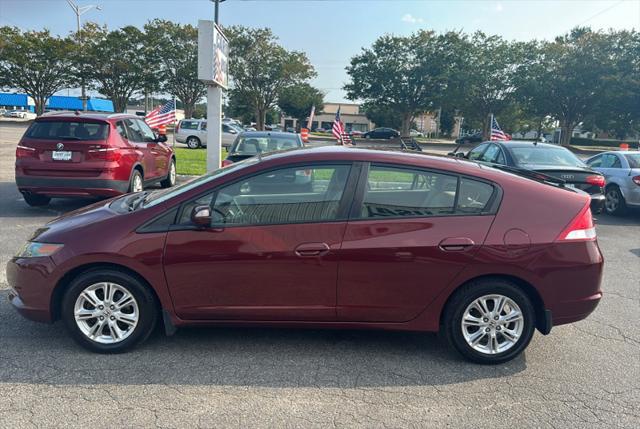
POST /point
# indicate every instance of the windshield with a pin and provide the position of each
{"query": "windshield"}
(157, 197)
(634, 159)
(253, 145)
(555, 156)
(67, 130)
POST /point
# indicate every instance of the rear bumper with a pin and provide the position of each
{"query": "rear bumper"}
(597, 203)
(575, 310)
(64, 187)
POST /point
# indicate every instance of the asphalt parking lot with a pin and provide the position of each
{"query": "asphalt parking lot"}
(581, 375)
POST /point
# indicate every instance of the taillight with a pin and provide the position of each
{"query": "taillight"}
(104, 154)
(25, 152)
(581, 227)
(226, 162)
(636, 180)
(595, 180)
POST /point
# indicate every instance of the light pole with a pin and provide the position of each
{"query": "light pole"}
(79, 10)
(217, 6)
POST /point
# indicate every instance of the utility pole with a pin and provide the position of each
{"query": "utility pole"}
(79, 11)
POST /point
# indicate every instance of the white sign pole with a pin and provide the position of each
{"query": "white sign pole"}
(214, 127)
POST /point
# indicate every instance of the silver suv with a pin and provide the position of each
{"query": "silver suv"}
(193, 132)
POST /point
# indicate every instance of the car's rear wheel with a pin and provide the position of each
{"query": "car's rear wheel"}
(108, 311)
(135, 183)
(614, 203)
(171, 176)
(489, 321)
(35, 200)
(193, 142)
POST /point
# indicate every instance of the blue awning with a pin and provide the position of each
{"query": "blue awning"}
(18, 100)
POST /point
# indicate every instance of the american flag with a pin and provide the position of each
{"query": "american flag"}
(496, 131)
(162, 115)
(338, 129)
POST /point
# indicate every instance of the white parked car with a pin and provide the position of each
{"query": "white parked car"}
(416, 133)
(16, 114)
(193, 132)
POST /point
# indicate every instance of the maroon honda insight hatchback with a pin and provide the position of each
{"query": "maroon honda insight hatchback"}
(324, 237)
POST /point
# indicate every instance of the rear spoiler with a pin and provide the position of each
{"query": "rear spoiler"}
(530, 174)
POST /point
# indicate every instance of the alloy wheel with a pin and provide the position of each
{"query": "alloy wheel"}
(172, 173)
(106, 313)
(137, 183)
(492, 324)
(612, 200)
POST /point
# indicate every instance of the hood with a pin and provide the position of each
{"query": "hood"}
(54, 230)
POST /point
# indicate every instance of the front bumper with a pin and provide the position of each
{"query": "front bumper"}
(31, 287)
(63, 187)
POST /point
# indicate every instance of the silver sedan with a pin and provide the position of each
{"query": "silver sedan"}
(621, 170)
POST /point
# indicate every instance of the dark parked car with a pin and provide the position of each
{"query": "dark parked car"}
(549, 159)
(90, 154)
(383, 240)
(252, 143)
(470, 139)
(381, 133)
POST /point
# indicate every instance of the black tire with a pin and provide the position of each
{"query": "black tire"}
(468, 294)
(35, 200)
(193, 142)
(148, 311)
(614, 201)
(136, 175)
(171, 175)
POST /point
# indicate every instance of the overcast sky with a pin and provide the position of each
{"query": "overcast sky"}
(331, 31)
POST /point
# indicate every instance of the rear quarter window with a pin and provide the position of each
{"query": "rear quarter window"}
(190, 125)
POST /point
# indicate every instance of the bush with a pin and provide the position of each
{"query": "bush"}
(579, 141)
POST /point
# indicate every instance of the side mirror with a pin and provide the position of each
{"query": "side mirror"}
(161, 138)
(201, 216)
(460, 155)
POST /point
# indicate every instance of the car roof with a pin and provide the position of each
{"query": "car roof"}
(524, 143)
(101, 116)
(267, 134)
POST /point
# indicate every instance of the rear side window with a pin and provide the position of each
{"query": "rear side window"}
(67, 130)
(398, 192)
(190, 125)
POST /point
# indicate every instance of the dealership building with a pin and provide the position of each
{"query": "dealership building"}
(350, 115)
(56, 102)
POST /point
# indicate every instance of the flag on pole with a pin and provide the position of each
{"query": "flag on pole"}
(496, 131)
(161, 115)
(338, 129)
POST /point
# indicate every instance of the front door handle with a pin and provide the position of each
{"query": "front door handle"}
(456, 244)
(311, 250)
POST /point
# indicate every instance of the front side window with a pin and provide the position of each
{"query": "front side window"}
(633, 159)
(399, 192)
(290, 195)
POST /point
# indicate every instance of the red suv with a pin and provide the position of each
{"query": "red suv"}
(375, 239)
(90, 154)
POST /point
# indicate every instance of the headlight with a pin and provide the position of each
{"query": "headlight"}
(34, 249)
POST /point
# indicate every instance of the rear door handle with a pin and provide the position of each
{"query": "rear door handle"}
(456, 244)
(311, 250)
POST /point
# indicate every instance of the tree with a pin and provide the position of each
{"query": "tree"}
(176, 49)
(382, 115)
(567, 78)
(119, 64)
(297, 101)
(35, 62)
(260, 68)
(483, 79)
(407, 75)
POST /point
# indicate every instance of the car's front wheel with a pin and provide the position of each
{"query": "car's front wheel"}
(193, 142)
(108, 311)
(489, 321)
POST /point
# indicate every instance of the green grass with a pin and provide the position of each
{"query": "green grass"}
(192, 162)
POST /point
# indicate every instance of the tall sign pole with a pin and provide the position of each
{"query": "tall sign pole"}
(213, 68)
